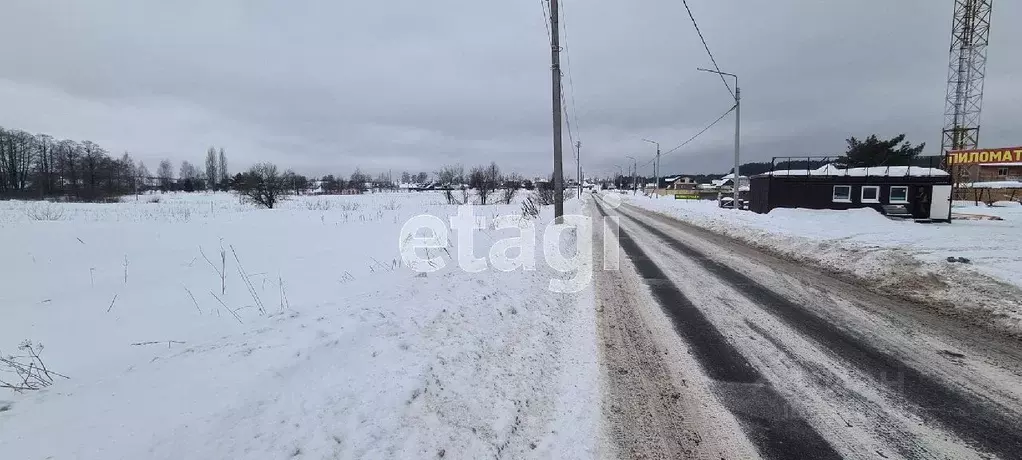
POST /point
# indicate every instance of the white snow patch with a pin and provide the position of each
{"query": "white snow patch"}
(994, 184)
(875, 171)
(895, 256)
(354, 357)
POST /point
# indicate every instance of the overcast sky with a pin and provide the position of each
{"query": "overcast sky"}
(328, 86)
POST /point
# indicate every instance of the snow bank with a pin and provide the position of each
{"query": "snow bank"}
(354, 357)
(875, 171)
(896, 257)
(995, 184)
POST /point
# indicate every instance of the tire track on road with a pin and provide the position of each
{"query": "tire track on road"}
(743, 390)
(976, 419)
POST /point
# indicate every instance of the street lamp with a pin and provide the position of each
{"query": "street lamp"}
(738, 129)
(656, 168)
(635, 168)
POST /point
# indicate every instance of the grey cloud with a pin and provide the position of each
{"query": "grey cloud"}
(325, 87)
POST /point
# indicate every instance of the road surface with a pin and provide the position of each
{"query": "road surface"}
(712, 349)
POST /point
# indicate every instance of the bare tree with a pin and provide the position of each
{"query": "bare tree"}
(166, 174)
(221, 168)
(358, 180)
(484, 179)
(68, 164)
(37, 166)
(449, 177)
(188, 177)
(212, 175)
(125, 174)
(17, 150)
(92, 162)
(142, 175)
(187, 171)
(263, 185)
(511, 184)
(545, 192)
(46, 164)
(296, 183)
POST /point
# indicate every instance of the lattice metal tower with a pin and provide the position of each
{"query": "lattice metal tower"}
(969, 38)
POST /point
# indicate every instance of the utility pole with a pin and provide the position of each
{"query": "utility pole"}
(735, 183)
(578, 166)
(656, 167)
(555, 73)
(738, 141)
(635, 170)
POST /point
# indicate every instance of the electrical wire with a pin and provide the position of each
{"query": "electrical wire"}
(571, 81)
(546, 22)
(573, 112)
(689, 140)
(707, 47)
(732, 109)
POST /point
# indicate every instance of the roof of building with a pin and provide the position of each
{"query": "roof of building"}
(874, 171)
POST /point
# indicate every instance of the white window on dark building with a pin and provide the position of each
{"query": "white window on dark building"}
(870, 194)
(1001, 172)
(899, 195)
(842, 194)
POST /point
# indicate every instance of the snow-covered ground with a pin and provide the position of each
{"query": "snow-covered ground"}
(894, 256)
(319, 343)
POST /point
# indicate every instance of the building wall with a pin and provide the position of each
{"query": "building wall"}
(817, 192)
(993, 173)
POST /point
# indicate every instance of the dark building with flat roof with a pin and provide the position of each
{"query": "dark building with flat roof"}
(902, 191)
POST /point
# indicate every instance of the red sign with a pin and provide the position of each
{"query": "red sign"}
(971, 157)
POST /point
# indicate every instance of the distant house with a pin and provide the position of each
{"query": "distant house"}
(680, 183)
(725, 182)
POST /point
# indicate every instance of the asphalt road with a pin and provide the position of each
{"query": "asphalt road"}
(713, 349)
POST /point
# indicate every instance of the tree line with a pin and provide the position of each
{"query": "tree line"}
(38, 166)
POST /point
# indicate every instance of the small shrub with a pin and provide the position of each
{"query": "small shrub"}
(45, 211)
(153, 199)
(544, 196)
(318, 205)
(529, 208)
(28, 369)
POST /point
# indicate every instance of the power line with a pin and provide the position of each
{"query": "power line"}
(707, 47)
(546, 21)
(571, 82)
(573, 113)
(707, 128)
(718, 119)
(732, 109)
(567, 121)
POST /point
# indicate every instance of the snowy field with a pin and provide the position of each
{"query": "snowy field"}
(315, 343)
(896, 257)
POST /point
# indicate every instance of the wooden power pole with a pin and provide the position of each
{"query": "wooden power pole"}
(555, 71)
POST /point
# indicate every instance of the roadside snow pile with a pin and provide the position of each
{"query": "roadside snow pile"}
(316, 343)
(901, 258)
